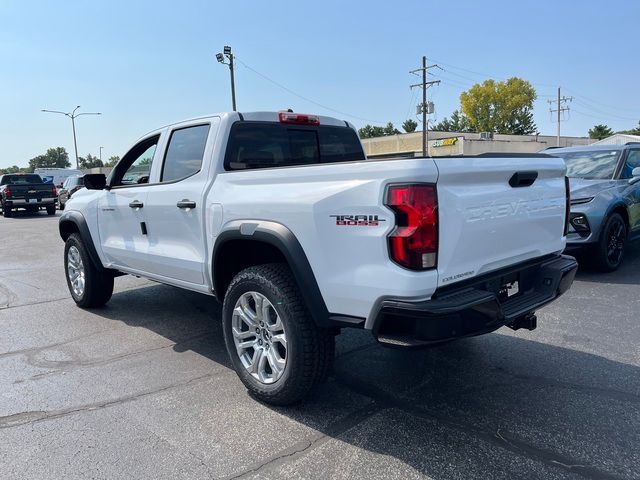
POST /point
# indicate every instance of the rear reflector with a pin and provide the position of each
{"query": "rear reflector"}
(298, 118)
(414, 242)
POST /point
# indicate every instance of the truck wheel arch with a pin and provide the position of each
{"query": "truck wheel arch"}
(74, 222)
(247, 243)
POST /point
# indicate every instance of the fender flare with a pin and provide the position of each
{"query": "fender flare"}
(285, 241)
(77, 222)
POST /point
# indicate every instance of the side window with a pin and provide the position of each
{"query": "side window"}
(184, 153)
(135, 166)
(632, 161)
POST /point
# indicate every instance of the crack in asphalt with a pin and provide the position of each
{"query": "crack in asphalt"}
(302, 447)
(64, 366)
(503, 440)
(29, 417)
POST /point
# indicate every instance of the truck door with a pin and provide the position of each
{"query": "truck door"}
(175, 209)
(121, 220)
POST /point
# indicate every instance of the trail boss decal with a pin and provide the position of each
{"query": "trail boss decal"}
(357, 220)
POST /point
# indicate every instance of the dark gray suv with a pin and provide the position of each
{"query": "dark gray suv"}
(70, 186)
(605, 199)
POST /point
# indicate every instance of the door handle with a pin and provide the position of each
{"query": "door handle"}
(184, 203)
(136, 204)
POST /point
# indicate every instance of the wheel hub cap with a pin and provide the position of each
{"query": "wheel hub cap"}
(259, 337)
(75, 271)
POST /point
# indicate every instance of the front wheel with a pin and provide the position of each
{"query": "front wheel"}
(88, 286)
(275, 347)
(610, 247)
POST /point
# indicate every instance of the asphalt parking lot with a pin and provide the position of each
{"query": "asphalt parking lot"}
(143, 389)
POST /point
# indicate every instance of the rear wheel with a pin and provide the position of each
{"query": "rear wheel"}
(610, 247)
(88, 286)
(51, 210)
(6, 211)
(275, 347)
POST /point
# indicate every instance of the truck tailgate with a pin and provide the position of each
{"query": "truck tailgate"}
(491, 217)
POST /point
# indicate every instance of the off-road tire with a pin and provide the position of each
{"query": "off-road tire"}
(310, 349)
(98, 284)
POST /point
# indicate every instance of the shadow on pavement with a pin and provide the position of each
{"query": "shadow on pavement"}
(23, 214)
(628, 273)
(503, 405)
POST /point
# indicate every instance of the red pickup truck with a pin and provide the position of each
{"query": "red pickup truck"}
(27, 191)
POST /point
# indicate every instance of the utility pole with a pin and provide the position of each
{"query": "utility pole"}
(101, 153)
(559, 109)
(425, 107)
(72, 115)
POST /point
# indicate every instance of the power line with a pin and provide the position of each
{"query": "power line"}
(305, 98)
(597, 110)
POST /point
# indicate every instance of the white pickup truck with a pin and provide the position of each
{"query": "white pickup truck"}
(282, 217)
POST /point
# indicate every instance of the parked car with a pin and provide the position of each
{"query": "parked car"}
(70, 186)
(605, 200)
(57, 176)
(282, 217)
(26, 191)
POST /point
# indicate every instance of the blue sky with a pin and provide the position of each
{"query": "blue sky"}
(144, 64)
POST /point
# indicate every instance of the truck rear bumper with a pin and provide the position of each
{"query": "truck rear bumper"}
(20, 203)
(480, 305)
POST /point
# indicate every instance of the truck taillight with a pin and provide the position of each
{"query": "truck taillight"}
(567, 208)
(298, 118)
(414, 242)
(54, 192)
(7, 192)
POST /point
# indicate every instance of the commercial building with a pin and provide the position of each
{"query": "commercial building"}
(619, 139)
(457, 143)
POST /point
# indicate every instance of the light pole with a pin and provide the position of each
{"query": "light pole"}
(72, 115)
(220, 58)
(101, 154)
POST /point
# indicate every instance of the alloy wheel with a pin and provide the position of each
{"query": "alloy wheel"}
(615, 242)
(259, 337)
(75, 271)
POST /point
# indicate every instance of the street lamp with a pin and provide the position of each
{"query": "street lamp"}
(101, 154)
(220, 58)
(72, 115)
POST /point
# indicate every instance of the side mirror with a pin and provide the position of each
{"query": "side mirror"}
(635, 176)
(95, 181)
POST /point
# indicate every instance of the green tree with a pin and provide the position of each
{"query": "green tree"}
(370, 131)
(54, 158)
(633, 131)
(112, 161)
(500, 107)
(410, 125)
(13, 169)
(600, 131)
(458, 122)
(90, 161)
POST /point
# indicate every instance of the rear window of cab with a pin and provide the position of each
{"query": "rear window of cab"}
(268, 145)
